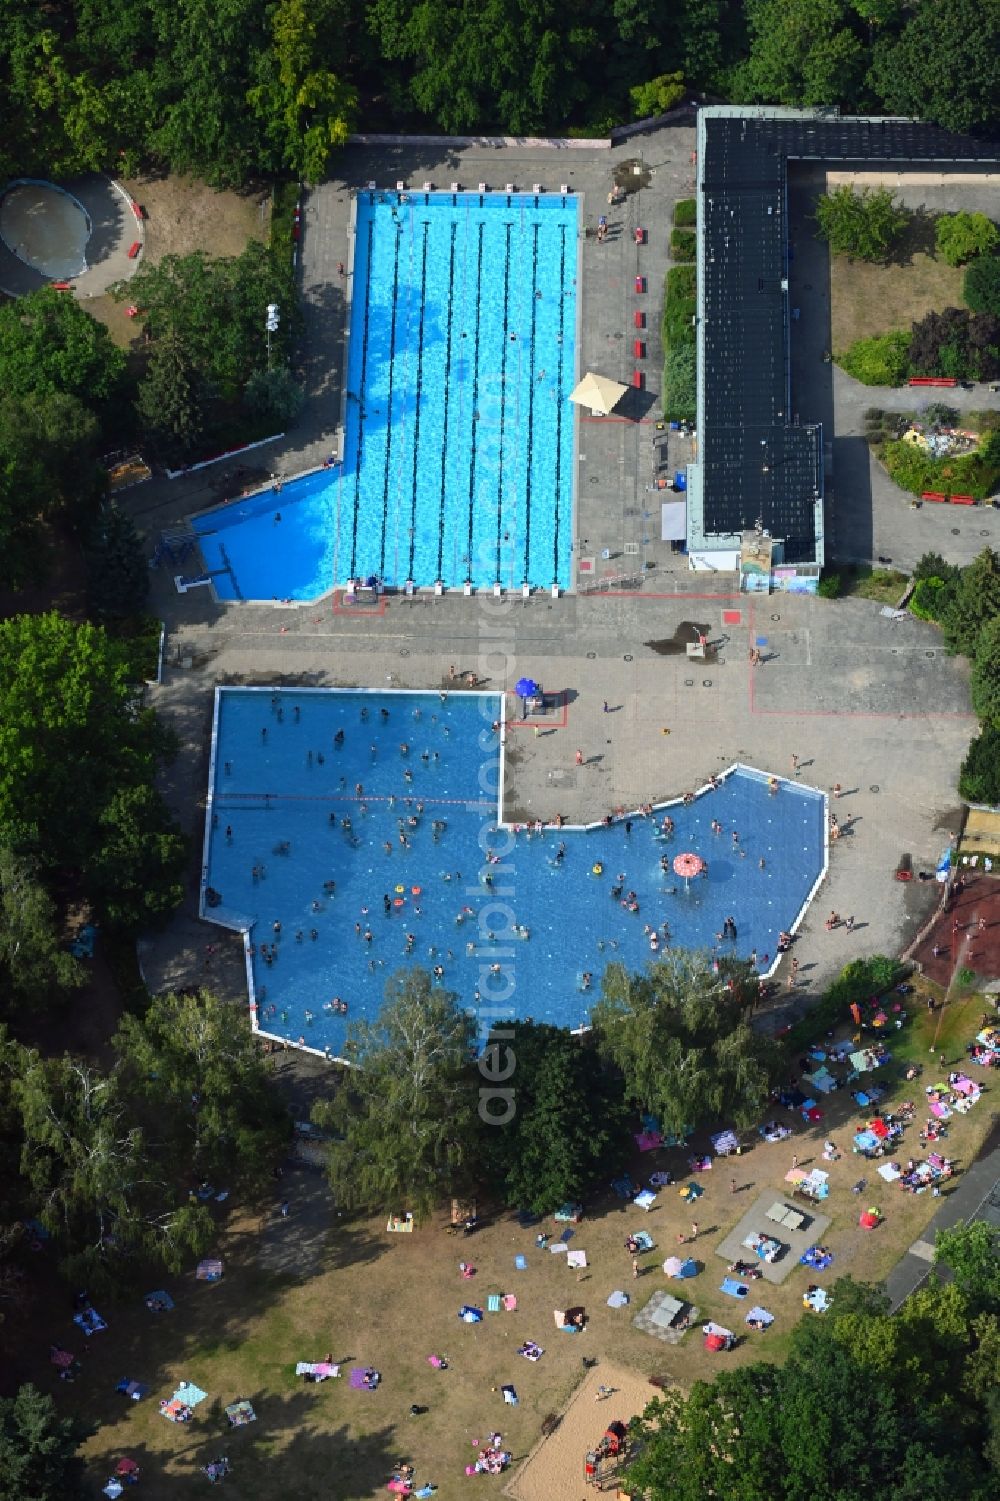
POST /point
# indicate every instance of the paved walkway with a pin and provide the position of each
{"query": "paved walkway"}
(976, 1196)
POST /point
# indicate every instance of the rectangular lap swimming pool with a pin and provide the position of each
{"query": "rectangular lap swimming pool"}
(458, 431)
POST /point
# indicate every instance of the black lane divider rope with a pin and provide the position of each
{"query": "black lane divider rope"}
(503, 391)
(360, 401)
(420, 382)
(531, 401)
(475, 390)
(447, 395)
(388, 400)
(559, 403)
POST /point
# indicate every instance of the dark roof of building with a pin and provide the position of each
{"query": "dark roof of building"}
(756, 465)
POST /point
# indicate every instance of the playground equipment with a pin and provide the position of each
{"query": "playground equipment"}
(609, 1457)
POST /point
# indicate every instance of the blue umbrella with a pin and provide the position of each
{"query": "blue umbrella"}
(526, 688)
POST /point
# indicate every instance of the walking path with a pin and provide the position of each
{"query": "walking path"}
(975, 1197)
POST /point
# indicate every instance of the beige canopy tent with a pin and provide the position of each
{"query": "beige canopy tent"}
(598, 393)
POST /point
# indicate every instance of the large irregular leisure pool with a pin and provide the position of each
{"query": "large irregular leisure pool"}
(365, 826)
(458, 433)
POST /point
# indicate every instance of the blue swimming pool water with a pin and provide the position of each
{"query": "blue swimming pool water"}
(295, 785)
(458, 454)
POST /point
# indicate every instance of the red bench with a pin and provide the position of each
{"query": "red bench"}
(133, 249)
(937, 495)
(963, 500)
(932, 380)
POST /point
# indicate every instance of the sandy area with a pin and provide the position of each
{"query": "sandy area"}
(554, 1470)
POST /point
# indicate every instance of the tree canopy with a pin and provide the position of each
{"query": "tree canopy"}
(961, 237)
(39, 1458)
(683, 1044)
(862, 224)
(566, 1123)
(77, 760)
(405, 1114)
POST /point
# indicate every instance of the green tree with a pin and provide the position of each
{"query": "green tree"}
(804, 52)
(39, 1450)
(981, 287)
(170, 399)
(305, 110)
(34, 963)
(49, 344)
(961, 237)
(979, 778)
(117, 571)
(405, 1115)
(566, 1121)
(684, 1047)
(658, 96)
(48, 444)
(971, 1253)
(136, 872)
(215, 308)
(975, 601)
(274, 396)
(986, 673)
(862, 225)
(110, 1200)
(915, 72)
(196, 1069)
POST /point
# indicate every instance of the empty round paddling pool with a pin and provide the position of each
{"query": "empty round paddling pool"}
(46, 228)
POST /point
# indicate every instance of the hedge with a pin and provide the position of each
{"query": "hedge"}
(680, 394)
(683, 244)
(883, 360)
(680, 304)
(685, 212)
(914, 469)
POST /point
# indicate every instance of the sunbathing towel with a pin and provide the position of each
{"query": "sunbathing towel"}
(558, 1247)
(469, 1314)
(618, 1299)
(531, 1351)
(567, 1236)
(133, 1389)
(493, 1303)
(645, 1200)
(521, 1263)
(90, 1321)
(209, 1271)
(241, 1413)
(509, 1395)
(509, 1303)
(643, 1240)
(576, 1258)
(659, 1180)
(758, 1315)
(190, 1395)
(735, 1289)
(889, 1171)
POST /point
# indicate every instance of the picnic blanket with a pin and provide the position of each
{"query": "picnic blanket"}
(90, 1321)
(624, 1187)
(577, 1259)
(813, 1258)
(691, 1191)
(648, 1141)
(643, 1240)
(758, 1315)
(726, 1143)
(645, 1200)
(509, 1395)
(158, 1301)
(209, 1271)
(531, 1351)
(319, 1370)
(889, 1171)
(659, 1180)
(136, 1390)
(734, 1289)
(674, 1266)
(822, 1080)
(189, 1394)
(470, 1314)
(772, 1131)
(818, 1300)
(363, 1378)
(240, 1413)
(765, 1247)
(618, 1299)
(569, 1213)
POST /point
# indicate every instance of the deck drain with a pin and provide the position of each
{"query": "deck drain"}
(930, 654)
(874, 787)
(689, 682)
(627, 657)
(775, 617)
(591, 656)
(706, 682)
(404, 651)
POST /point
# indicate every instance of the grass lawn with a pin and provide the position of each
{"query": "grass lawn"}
(867, 299)
(390, 1301)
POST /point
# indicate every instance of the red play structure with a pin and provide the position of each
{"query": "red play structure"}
(604, 1462)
